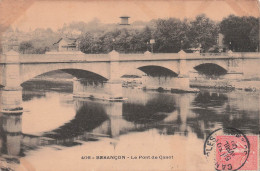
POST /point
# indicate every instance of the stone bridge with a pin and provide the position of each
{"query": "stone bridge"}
(98, 75)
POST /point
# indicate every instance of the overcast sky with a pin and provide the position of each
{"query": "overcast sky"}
(54, 14)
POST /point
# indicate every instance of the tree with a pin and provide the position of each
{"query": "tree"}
(254, 37)
(30, 47)
(240, 33)
(169, 35)
(122, 40)
(145, 37)
(86, 43)
(40, 50)
(26, 47)
(203, 32)
(108, 41)
(135, 42)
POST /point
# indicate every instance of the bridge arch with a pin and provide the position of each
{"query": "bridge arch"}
(78, 70)
(78, 73)
(155, 71)
(150, 70)
(210, 69)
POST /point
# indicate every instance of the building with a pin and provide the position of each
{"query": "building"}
(67, 44)
(124, 20)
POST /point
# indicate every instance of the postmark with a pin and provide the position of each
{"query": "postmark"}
(230, 149)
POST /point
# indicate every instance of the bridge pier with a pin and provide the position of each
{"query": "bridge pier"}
(11, 104)
(235, 68)
(166, 83)
(11, 97)
(183, 80)
(107, 90)
(181, 83)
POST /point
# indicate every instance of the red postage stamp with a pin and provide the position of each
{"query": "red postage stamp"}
(232, 149)
(234, 152)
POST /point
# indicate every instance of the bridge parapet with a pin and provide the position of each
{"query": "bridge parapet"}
(247, 54)
(151, 56)
(206, 55)
(34, 58)
(80, 57)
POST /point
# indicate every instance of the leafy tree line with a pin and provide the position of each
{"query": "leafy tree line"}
(241, 34)
(41, 41)
(27, 47)
(170, 35)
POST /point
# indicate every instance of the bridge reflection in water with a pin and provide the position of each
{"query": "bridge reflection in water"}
(168, 113)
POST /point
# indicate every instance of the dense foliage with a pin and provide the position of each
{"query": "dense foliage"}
(240, 33)
(27, 47)
(170, 35)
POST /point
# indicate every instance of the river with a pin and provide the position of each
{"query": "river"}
(57, 128)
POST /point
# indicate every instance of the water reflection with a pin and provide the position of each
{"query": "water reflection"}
(10, 139)
(214, 109)
(210, 100)
(29, 95)
(88, 116)
(152, 109)
(92, 120)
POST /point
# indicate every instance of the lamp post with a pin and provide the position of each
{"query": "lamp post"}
(258, 32)
(91, 45)
(147, 44)
(152, 41)
(113, 43)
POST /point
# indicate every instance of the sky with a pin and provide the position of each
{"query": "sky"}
(53, 14)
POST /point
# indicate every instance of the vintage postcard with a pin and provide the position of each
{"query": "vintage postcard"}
(154, 85)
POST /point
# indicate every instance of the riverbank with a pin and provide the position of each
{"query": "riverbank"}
(55, 84)
(248, 85)
(61, 84)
